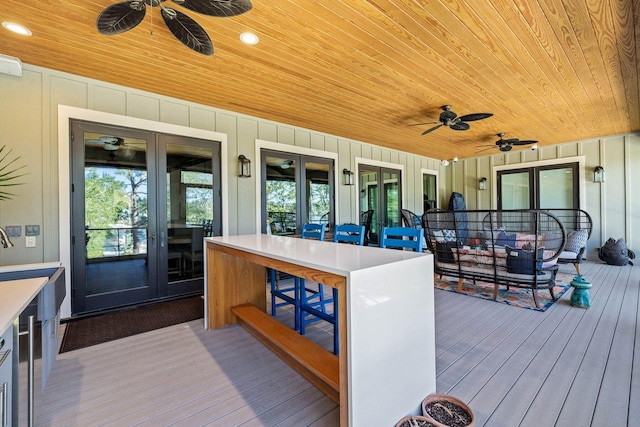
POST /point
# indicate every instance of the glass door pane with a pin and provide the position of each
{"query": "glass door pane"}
(189, 215)
(557, 188)
(515, 190)
(370, 198)
(318, 193)
(281, 195)
(429, 192)
(391, 202)
(112, 207)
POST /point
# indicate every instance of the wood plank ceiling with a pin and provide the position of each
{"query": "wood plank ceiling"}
(549, 70)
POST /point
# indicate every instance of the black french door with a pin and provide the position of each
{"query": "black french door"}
(141, 204)
(381, 192)
(544, 187)
(296, 189)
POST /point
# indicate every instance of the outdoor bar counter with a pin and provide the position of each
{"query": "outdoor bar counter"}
(386, 315)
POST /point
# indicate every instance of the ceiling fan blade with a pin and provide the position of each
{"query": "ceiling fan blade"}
(460, 126)
(220, 8)
(120, 17)
(432, 129)
(475, 116)
(425, 123)
(507, 141)
(188, 31)
(525, 142)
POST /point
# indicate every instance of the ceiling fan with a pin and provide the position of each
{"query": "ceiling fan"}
(109, 143)
(113, 143)
(507, 144)
(284, 164)
(123, 16)
(451, 119)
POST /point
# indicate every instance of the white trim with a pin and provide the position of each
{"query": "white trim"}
(378, 163)
(293, 149)
(66, 113)
(575, 159)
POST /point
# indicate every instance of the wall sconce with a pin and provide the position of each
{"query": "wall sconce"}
(244, 166)
(444, 162)
(482, 184)
(348, 176)
(598, 174)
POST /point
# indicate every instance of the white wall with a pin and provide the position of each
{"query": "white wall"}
(29, 125)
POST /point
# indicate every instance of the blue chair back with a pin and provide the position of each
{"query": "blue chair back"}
(313, 231)
(393, 237)
(349, 233)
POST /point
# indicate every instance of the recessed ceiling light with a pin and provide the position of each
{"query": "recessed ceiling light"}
(16, 28)
(249, 38)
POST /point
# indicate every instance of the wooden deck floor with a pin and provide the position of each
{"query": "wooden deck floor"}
(515, 367)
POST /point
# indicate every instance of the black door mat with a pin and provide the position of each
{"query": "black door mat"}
(107, 327)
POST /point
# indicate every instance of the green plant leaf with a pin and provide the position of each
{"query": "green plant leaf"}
(9, 172)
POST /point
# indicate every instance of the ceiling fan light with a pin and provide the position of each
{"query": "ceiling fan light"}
(110, 147)
(249, 38)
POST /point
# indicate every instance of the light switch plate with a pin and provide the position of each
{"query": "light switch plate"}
(31, 230)
(30, 241)
(13, 230)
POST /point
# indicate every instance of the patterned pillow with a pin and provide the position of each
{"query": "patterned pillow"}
(449, 235)
(438, 236)
(576, 240)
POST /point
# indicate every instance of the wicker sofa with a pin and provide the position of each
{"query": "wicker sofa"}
(507, 248)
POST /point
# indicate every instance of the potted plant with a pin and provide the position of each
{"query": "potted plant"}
(417, 421)
(447, 410)
(8, 173)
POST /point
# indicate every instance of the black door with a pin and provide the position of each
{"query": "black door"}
(141, 203)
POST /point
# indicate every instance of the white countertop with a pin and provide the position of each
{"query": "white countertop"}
(15, 295)
(337, 258)
(24, 267)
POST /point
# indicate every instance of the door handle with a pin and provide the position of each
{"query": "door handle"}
(162, 239)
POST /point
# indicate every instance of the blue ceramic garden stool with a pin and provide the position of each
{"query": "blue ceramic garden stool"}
(580, 296)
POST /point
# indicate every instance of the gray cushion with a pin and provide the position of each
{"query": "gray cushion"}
(576, 240)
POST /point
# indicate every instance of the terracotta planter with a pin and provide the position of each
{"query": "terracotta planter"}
(417, 421)
(447, 410)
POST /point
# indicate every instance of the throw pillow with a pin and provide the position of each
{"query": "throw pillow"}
(449, 235)
(505, 239)
(438, 235)
(552, 242)
(520, 261)
(576, 240)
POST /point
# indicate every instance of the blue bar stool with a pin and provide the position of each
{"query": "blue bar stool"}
(290, 294)
(394, 237)
(311, 311)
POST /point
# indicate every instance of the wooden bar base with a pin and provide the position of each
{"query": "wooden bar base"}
(313, 362)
